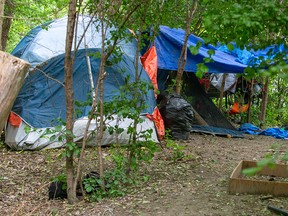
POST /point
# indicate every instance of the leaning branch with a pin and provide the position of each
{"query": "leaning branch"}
(49, 77)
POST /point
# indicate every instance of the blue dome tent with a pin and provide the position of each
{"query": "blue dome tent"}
(41, 101)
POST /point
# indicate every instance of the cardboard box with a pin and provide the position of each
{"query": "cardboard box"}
(241, 184)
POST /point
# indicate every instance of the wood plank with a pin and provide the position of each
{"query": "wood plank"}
(12, 73)
(237, 171)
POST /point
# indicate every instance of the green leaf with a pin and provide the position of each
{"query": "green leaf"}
(27, 129)
(58, 128)
(207, 60)
(60, 138)
(77, 152)
(198, 45)
(252, 170)
(88, 189)
(111, 130)
(201, 69)
(194, 50)
(68, 154)
(97, 54)
(211, 52)
(266, 162)
(230, 47)
(52, 138)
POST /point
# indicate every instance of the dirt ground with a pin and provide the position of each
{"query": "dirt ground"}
(195, 186)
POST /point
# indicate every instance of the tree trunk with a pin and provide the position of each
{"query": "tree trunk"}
(100, 88)
(264, 102)
(7, 21)
(69, 66)
(12, 74)
(2, 5)
(183, 56)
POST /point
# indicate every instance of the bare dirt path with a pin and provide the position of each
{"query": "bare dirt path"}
(195, 186)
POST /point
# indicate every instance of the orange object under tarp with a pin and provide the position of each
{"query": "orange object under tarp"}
(149, 62)
(237, 108)
(14, 119)
(159, 123)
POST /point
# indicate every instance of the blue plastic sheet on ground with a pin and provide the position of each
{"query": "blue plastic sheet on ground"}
(274, 132)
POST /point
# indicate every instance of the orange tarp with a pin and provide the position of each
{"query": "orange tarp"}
(159, 123)
(237, 108)
(14, 119)
(149, 62)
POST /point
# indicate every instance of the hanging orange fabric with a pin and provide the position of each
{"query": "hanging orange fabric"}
(236, 108)
(149, 62)
(14, 119)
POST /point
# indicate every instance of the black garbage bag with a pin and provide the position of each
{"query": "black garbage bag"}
(177, 114)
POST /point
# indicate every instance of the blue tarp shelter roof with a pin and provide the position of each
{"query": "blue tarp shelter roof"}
(169, 43)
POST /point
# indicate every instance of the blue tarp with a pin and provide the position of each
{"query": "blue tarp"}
(251, 57)
(169, 43)
(274, 132)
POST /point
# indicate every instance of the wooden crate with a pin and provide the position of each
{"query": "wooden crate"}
(239, 184)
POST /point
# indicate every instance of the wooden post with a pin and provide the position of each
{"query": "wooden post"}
(12, 74)
(199, 119)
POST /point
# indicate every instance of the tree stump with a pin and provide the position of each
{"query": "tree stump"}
(12, 73)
